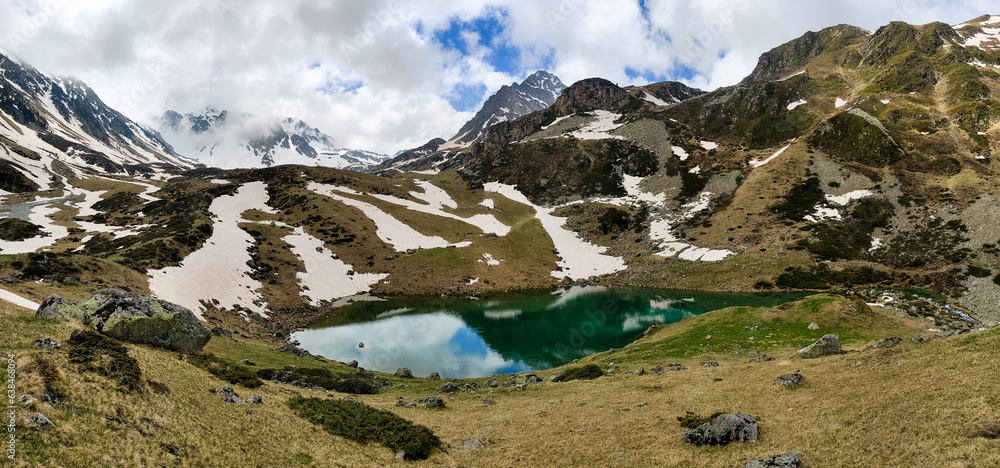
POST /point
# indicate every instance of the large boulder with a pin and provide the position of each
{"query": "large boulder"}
(137, 319)
(829, 344)
(54, 307)
(787, 460)
(724, 429)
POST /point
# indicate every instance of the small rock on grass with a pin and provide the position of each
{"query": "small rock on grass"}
(789, 380)
(473, 444)
(788, 460)
(724, 429)
(40, 421)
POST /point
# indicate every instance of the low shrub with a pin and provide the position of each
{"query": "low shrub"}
(354, 383)
(97, 353)
(587, 372)
(691, 420)
(364, 424)
(225, 370)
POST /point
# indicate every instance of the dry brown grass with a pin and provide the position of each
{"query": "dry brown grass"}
(913, 405)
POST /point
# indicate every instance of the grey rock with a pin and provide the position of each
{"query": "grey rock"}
(724, 429)
(829, 344)
(293, 348)
(492, 382)
(789, 380)
(300, 383)
(26, 400)
(814, 326)
(137, 319)
(473, 444)
(248, 362)
(449, 387)
(434, 402)
(434, 376)
(219, 331)
(289, 368)
(640, 371)
(353, 364)
(489, 401)
(40, 421)
(255, 399)
(404, 372)
(47, 343)
(710, 364)
(229, 395)
(470, 387)
(885, 342)
(788, 460)
(54, 307)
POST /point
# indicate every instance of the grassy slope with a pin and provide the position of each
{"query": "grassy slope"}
(908, 406)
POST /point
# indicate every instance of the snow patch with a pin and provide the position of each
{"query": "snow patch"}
(18, 300)
(679, 152)
(40, 216)
(326, 278)
(709, 145)
(218, 270)
(597, 129)
(653, 99)
(695, 170)
(798, 103)
(840, 103)
(848, 197)
(756, 163)
(488, 203)
(489, 260)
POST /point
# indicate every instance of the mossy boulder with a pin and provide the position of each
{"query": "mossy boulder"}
(55, 306)
(137, 319)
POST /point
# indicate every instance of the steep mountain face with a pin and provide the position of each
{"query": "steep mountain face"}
(536, 93)
(220, 139)
(45, 119)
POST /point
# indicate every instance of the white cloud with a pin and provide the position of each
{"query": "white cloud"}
(386, 80)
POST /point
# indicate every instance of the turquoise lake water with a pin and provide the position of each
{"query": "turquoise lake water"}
(461, 338)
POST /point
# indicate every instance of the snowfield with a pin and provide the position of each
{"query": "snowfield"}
(219, 269)
(580, 259)
(798, 103)
(39, 215)
(756, 163)
(326, 278)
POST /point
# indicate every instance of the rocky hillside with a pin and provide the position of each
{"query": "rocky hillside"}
(845, 160)
(220, 139)
(56, 127)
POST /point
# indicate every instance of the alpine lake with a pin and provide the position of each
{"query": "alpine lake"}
(466, 337)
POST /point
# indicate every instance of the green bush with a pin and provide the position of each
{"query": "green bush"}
(225, 370)
(354, 383)
(587, 372)
(95, 352)
(801, 200)
(364, 424)
(978, 272)
(691, 420)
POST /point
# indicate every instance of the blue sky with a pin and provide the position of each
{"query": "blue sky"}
(387, 75)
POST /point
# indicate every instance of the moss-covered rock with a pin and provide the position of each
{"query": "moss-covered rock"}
(137, 319)
(55, 306)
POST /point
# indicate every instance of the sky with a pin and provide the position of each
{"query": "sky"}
(388, 75)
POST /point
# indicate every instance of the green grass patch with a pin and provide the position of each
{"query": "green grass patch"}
(364, 424)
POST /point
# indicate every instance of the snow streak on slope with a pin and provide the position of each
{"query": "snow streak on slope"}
(326, 278)
(39, 215)
(219, 269)
(389, 229)
(18, 300)
(580, 259)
